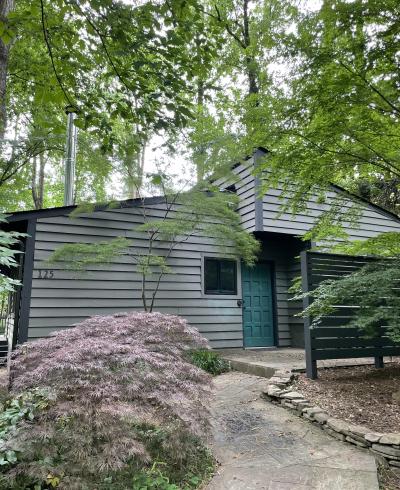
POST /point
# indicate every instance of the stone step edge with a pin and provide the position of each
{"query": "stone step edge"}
(384, 445)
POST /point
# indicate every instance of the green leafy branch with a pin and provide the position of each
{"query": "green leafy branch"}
(23, 407)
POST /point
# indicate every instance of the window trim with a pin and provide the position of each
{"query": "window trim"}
(219, 293)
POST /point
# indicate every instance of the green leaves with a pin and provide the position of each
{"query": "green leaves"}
(6, 34)
(80, 256)
(179, 218)
(210, 361)
(374, 292)
(383, 245)
(152, 479)
(114, 62)
(7, 257)
(338, 119)
(22, 407)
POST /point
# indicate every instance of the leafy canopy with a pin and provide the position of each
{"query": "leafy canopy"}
(111, 60)
(338, 115)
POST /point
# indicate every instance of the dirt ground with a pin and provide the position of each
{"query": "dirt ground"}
(389, 478)
(360, 395)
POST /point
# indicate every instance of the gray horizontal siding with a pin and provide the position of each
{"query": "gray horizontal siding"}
(244, 184)
(370, 222)
(69, 297)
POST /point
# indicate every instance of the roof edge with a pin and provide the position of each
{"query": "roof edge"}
(66, 210)
(353, 196)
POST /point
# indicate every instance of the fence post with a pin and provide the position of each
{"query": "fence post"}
(311, 364)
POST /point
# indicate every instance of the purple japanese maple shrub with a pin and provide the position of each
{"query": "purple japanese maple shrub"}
(112, 376)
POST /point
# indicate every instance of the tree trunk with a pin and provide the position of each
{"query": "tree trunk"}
(140, 169)
(38, 181)
(250, 61)
(199, 155)
(42, 164)
(5, 8)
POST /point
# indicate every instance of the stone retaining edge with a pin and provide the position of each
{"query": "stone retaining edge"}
(384, 445)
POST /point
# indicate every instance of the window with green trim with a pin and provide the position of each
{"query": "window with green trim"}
(220, 276)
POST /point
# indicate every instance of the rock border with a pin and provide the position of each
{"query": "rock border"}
(385, 446)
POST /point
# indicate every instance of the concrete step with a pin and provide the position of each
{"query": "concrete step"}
(257, 368)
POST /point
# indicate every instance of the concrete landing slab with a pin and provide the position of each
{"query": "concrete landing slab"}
(264, 362)
(261, 446)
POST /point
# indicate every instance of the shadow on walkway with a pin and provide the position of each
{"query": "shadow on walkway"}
(263, 446)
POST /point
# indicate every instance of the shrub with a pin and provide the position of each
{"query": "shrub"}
(114, 377)
(152, 479)
(15, 411)
(209, 361)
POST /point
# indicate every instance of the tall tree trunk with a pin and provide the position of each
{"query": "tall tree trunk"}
(199, 154)
(250, 61)
(140, 168)
(33, 182)
(38, 181)
(41, 180)
(6, 6)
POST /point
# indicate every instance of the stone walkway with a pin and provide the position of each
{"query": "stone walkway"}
(262, 446)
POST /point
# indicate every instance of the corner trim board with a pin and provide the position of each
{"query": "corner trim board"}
(258, 201)
(27, 283)
(311, 364)
(258, 208)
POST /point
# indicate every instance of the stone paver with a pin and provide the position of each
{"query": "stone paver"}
(263, 446)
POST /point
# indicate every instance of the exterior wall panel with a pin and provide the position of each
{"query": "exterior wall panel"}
(244, 183)
(69, 297)
(371, 221)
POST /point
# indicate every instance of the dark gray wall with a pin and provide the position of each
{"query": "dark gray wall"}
(371, 221)
(243, 180)
(282, 250)
(67, 298)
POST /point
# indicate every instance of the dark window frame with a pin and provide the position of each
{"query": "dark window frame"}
(219, 291)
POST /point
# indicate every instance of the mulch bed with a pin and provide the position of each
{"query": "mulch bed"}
(389, 478)
(360, 395)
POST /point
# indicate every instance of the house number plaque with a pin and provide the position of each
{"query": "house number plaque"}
(46, 274)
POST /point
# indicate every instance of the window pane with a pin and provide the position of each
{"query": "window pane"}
(228, 276)
(211, 275)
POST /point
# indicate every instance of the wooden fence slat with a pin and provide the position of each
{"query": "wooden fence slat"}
(321, 332)
(334, 338)
(349, 353)
(342, 342)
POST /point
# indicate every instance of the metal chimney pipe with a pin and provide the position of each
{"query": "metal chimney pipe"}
(70, 159)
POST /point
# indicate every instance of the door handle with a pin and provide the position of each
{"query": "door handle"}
(240, 303)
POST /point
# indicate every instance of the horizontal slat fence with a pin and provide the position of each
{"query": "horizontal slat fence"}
(333, 338)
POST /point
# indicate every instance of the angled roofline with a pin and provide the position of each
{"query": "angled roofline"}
(353, 196)
(66, 210)
(132, 203)
(335, 187)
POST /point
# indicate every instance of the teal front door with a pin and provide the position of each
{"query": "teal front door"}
(258, 317)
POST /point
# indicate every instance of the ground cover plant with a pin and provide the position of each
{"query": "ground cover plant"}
(127, 407)
(209, 361)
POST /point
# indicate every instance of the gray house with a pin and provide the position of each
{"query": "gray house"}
(231, 304)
